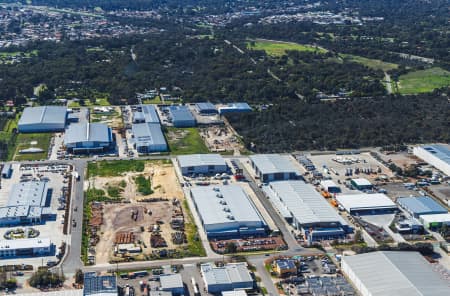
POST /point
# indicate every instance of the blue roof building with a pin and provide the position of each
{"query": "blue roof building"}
(205, 108)
(437, 155)
(181, 116)
(146, 114)
(105, 285)
(422, 205)
(235, 108)
(148, 137)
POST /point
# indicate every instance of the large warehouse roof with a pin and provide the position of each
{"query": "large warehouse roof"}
(43, 114)
(395, 273)
(421, 205)
(363, 201)
(217, 204)
(305, 203)
(181, 113)
(274, 163)
(228, 274)
(440, 151)
(206, 106)
(436, 218)
(193, 160)
(149, 113)
(437, 155)
(87, 132)
(26, 243)
(148, 134)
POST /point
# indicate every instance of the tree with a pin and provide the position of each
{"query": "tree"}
(79, 277)
(45, 278)
(230, 247)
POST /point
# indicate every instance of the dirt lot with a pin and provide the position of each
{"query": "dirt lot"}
(111, 116)
(156, 208)
(220, 139)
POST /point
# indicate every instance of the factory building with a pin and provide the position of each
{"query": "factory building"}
(436, 155)
(99, 285)
(422, 205)
(205, 108)
(43, 119)
(172, 283)
(230, 277)
(306, 210)
(202, 164)
(148, 138)
(366, 204)
(330, 186)
(361, 184)
(27, 204)
(274, 167)
(146, 114)
(235, 108)
(435, 221)
(393, 274)
(180, 116)
(227, 212)
(88, 138)
(29, 247)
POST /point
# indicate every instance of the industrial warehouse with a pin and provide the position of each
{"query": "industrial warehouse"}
(232, 276)
(363, 203)
(43, 119)
(202, 164)
(227, 212)
(436, 155)
(26, 204)
(393, 273)
(146, 113)
(30, 247)
(235, 108)
(148, 137)
(205, 108)
(422, 205)
(88, 137)
(273, 167)
(180, 116)
(303, 207)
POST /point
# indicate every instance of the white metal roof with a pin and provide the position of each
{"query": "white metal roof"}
(228, 274)
(234, 293)
(274, 163)
(194, 160)
(397, 274)
(365, 201)
(26, 243)
(305, 203)
(87, 132)
(362, 182)
(217, 203)
(148, 134)
(328, 183)
(171, 281)
(43, 114)
(437, 218)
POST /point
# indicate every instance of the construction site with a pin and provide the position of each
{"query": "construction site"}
(220, 138)
(140, 215)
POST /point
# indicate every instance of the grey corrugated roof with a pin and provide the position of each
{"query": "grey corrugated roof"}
(397, 274)
(274, 163)
(43, 114)
(201, 160)
(150, 114)
(205, 106)
(421, 205)
(148, 134)
(180, 113)
(212, 210)
(228, 274)
(305, 203)
(363, 201)
(171, 281)
(87, 132)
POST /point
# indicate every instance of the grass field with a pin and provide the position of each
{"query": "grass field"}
(186, 141)
(423, 81)
(155, 100)
(112, 168)
(274, 48)
(24, 141)
(371, 63)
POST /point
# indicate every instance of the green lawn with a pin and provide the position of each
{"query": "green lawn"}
(155, 100)
(24, 141)
(371, 63)
(423, 81)
(195, 246)
(144, 185)
(112, 168)
(185, 141)
(274, 48)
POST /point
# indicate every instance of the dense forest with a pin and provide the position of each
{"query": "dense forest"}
(346, 123)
